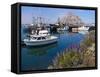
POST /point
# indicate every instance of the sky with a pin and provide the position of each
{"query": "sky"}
(51, 14)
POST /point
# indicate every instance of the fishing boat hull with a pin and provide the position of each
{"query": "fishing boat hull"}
(30, 42)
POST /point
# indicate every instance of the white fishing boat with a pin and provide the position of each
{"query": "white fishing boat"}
(83, 28)
(41, 38)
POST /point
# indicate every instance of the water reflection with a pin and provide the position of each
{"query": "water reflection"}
(83, 32)
(41, 50)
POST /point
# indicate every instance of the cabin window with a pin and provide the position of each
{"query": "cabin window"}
(39, 38)
(45, 33)
(43, 38)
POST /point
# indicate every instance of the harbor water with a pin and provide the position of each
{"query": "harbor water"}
(39, 58)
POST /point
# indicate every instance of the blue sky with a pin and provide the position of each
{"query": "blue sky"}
(51, 14)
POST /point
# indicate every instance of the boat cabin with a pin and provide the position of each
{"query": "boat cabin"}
(39, 38)
(43, 32)
(42, 35)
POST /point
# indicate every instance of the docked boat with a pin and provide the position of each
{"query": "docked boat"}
(41, 38)
(63, 29)
(83, 28)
